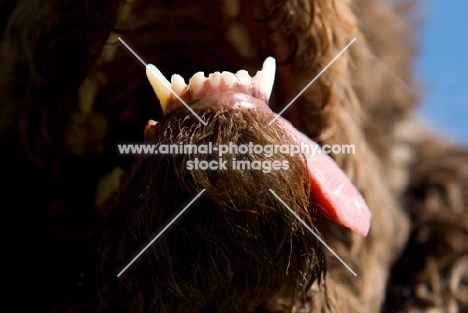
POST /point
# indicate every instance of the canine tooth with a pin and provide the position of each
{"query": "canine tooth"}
(229, 78)
(269, 67)
(215, 79)
(266, 77)
(161, 86)
(244, 77)
(197, 81)
(178, 84)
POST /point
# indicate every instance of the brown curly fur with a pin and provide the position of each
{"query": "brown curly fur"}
(70, 93)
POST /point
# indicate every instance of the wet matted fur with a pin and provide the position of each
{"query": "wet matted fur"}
(69, 99)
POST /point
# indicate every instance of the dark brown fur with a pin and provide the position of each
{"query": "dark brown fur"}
(237, 244)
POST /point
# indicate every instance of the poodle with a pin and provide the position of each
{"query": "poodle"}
(79, 210)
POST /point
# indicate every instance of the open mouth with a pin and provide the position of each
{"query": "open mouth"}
(179, 38)
(232, 45)
(210, 36)
(239, 37)
(79, 95)
(333, 193)
(222, 86)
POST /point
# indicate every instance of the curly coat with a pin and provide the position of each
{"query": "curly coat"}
(70, 94)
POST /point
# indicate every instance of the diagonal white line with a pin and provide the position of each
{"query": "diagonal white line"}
(162, 81)
(312, 81)
(314, 233)
(161, 232)
(131, 50)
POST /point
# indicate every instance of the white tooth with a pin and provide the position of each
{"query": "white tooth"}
(160, 84)
(178, 84)
(215, 79)
(229, 78)
(244, 77)
(197, 81)
(266, 77)
(261, 80)
(269, 66)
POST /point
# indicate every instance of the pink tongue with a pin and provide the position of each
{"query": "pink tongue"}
(336, 196)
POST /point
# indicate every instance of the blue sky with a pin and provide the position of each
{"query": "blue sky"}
(442, 66)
